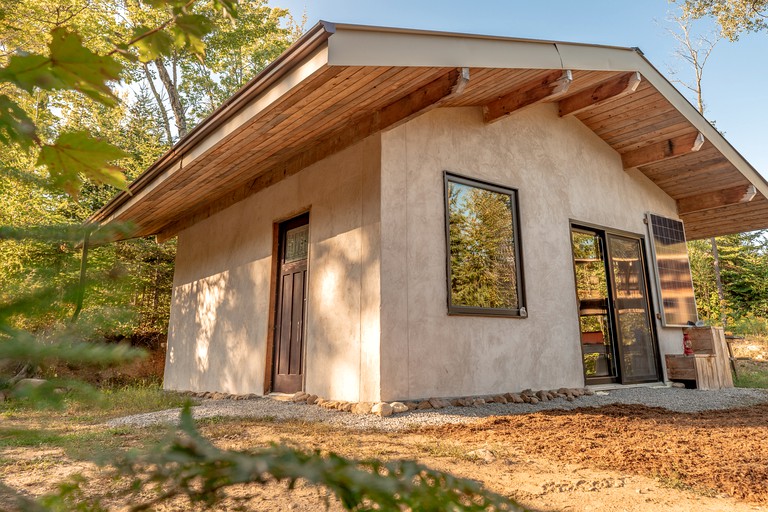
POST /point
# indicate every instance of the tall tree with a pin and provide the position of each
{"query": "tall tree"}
(734, 16)
(191, 86)
(695, 49)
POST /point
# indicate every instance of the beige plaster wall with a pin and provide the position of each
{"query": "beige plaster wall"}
(219, 314)
(562, 171)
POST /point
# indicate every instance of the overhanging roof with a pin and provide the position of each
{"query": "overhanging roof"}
(341, 83)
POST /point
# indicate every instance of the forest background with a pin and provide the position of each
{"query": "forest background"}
(161, 96)
(129, 283)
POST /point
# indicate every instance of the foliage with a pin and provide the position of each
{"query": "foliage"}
(191, 84)
(744, 270)
(191, 466)
(745, 273)
(749, 324)
(68, 132)
(733, 16)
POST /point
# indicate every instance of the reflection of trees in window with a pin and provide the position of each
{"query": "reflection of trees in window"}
(591, 281)
(482, 248)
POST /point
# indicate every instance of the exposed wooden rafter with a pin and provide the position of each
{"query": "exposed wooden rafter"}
(613, 88)
(549, 87)
(670, 148)
(716, 199)
(405, 108)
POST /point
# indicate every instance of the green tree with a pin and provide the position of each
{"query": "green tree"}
(734, 16)
(191, 86)
(745, 273)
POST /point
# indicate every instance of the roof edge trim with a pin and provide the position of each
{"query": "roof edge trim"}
(466, 35)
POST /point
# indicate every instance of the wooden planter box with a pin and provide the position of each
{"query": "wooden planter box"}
(708, 367)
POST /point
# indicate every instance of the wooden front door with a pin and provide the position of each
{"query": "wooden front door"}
(288, 363)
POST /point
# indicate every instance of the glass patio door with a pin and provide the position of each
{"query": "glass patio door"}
(616, 333)
(637, 347)
(595, 315)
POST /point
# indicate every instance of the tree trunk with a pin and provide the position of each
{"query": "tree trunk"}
(160, 105)
(173, 96)
(718, 280)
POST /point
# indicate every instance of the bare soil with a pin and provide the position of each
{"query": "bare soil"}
(620, 457)
(614, 458)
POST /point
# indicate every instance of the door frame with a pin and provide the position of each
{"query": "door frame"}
(274, 291)
(603, 232)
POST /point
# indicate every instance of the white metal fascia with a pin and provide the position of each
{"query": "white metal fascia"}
(353, 45)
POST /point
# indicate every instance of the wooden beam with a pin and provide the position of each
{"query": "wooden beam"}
(725, 197)
(663, 150)
(552, 85)
(294, 159)
(602, 92)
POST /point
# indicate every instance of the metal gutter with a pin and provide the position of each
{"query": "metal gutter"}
(304, 46)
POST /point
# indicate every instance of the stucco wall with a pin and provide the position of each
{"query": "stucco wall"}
(562, 171)
(219, 314)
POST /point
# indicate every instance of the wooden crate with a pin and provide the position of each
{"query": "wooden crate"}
(711, 341)
(700, 368)
(709, 366)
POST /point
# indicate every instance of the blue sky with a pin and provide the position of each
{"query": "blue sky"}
(735, 78)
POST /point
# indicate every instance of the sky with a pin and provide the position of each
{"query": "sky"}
(735, 80)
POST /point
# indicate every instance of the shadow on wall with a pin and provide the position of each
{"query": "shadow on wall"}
(216, 336)
(219, 325)
(343, 311)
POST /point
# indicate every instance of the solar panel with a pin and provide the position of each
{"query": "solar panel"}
(673, 271)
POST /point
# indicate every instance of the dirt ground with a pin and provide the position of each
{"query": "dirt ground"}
(610, 459)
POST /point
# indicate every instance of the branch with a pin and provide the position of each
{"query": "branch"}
(155, 30)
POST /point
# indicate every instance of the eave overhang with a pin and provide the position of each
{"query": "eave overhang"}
(341, 83)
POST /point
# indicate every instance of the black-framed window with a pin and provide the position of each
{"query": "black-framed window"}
(483, 248)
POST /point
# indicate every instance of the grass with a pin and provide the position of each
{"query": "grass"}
(752, 362)
(751, 379)
(21, 437)
(77, 428)
(134, 399)
(675, 481)
(108, 403)
(84, 445)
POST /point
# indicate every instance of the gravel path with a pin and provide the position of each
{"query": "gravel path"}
(682, 400)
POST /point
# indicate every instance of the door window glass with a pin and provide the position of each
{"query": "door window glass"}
(296, 244)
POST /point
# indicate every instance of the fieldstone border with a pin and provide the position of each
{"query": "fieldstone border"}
(384, 409)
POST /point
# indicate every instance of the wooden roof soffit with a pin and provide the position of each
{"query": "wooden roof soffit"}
(401, 110)
(666, 149)
(551, 86)
(602, 92)
(716, 199)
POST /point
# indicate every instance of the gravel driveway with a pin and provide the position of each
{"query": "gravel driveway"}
(676, 399)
